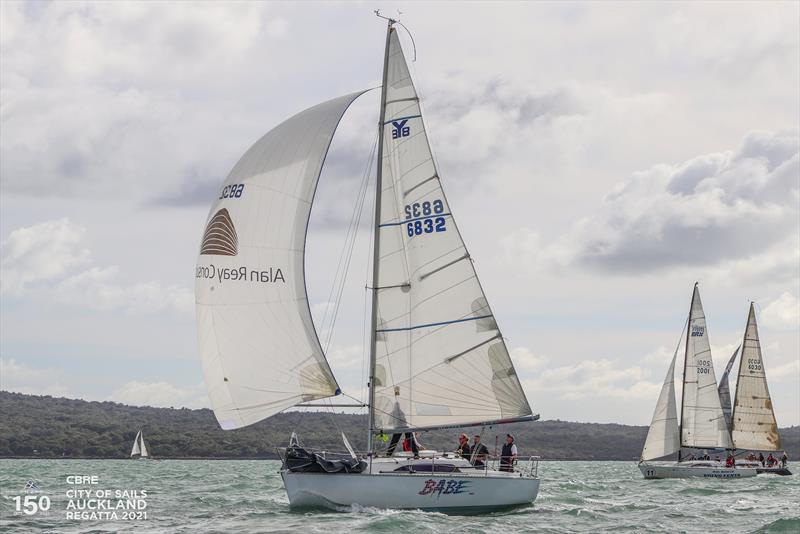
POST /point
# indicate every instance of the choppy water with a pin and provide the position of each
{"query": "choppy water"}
(248, 497)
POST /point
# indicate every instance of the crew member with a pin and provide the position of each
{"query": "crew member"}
(463, 449)
(479, 452)
(508, 455)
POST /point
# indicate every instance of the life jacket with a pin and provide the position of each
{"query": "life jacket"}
(505, 457)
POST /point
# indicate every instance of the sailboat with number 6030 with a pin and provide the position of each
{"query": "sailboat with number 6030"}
(437, 357)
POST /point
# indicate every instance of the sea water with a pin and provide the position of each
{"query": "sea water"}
(247, 497)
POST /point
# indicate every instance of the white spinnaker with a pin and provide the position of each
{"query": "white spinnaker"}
(702, 424)
(440, 358)
(258, 345)
(724, 389)
(145, 454)
(136, 449)
(662, 436)
(753, 422)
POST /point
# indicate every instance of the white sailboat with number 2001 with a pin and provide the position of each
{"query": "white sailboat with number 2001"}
(437, 357)
(703, 425)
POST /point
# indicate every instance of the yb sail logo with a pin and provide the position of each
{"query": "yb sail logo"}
(400, 129)
(220, 236)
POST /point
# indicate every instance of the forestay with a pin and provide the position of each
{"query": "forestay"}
(724, 389)
(702, 422)
(258, 345)
(662, 437)
(440, 357)
(753, 426)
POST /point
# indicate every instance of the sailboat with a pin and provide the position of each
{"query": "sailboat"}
(753, 424)
(702, 424)
(437, 357)
(724, 389)
(139, 450)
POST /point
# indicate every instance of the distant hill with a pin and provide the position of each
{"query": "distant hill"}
(47, 427)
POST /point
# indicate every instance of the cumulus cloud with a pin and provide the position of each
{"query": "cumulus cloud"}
(595, 379)
(49, 260)
(782, 313)
(40, 253)
(712, 208)
(22, 378)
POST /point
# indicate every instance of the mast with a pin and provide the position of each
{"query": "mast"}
(373, 348)
(683, 381)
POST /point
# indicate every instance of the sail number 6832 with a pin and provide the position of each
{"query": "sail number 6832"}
(424, 220)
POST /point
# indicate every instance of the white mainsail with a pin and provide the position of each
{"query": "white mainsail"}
(136, 448)
(753, 423)
(258, 344)
(702, 421)
(440, 359)
(662, 436)
(724, 389)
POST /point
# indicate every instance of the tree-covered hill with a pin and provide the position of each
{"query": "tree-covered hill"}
(47, 427)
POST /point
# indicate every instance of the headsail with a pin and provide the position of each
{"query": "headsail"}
(724, 389)
(662, 437)
(753, 423)
(440, 359)
(258, 345)
(136, 448)
(702, 422)
(143, 447)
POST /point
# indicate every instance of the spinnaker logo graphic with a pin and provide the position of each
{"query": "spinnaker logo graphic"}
(220, 236)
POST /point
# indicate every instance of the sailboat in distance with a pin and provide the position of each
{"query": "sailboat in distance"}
(753, 424)
(702, 425)
(139, 450)
(437, 356)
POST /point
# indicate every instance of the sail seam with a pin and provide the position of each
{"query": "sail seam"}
(463, 352)
(423, 182)
(445, 266)
(415, 219)
(442, 323)
(402, 118)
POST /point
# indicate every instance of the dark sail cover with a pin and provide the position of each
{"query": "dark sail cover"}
(299, 460)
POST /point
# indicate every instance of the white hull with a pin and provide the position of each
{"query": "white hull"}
(696, 469)
(461, 492)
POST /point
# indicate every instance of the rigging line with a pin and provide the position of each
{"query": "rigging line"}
(348, 247)
(342, 255)
(347, 265)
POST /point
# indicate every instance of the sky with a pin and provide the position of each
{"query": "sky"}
(599, 157)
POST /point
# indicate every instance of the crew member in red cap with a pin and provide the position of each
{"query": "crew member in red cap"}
(509, 454)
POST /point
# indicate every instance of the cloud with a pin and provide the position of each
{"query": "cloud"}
(160, 394)
(40, 253)
(21, 378)
(712, 208)
(525, 361)
(594, 379)
(49, 261)
(788, 372)
(782, 313)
